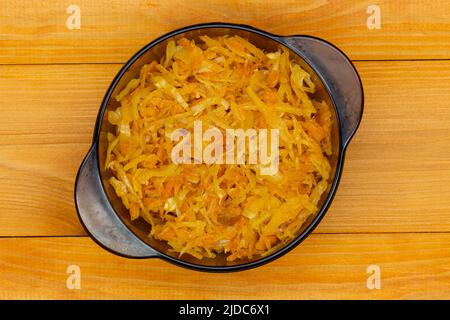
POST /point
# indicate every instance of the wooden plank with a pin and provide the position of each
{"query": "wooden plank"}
(396, 176)
(48, 114)
(51, 104)
(413, 266)
(36, 190)
(112, 30)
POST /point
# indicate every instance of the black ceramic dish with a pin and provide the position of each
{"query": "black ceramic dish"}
(101, 212)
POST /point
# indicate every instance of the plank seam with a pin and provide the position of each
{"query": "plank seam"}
(122, 63)
(313, 234)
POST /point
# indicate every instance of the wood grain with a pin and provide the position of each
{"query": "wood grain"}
(324, 266)
(48, 115)
(112, 30)
(396, 176)
(397, 169)
(51, 104)
(392, 208)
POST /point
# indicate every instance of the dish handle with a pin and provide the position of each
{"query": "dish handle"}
(339, 75)
(99, 218)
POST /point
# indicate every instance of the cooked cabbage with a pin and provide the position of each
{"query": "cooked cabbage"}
(209, 209)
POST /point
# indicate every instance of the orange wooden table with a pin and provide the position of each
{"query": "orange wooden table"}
(392, 210)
